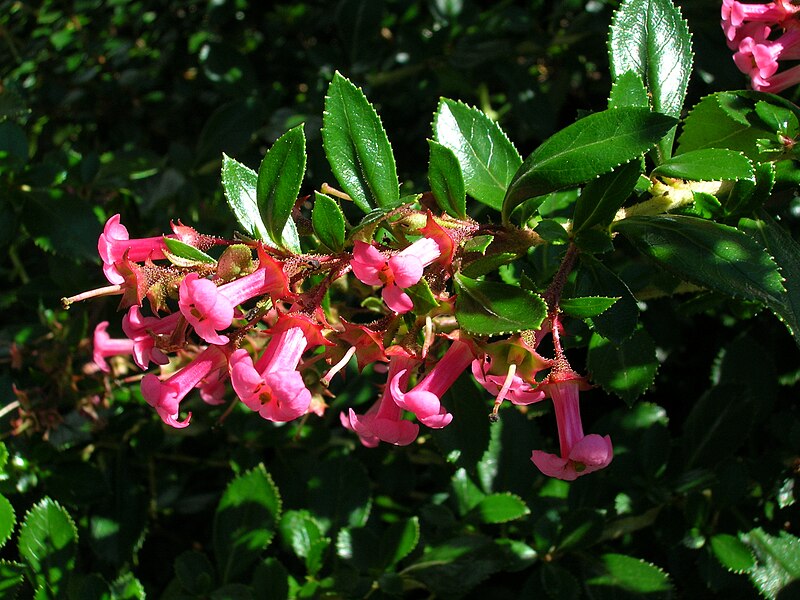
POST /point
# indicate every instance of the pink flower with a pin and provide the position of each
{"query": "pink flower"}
(425, 399)
(580, 454)
(358, 340)
(736, 13)
(272, 386)
(384, 420)
(759, 58)
(146, 331)
(400, 271)
(115, 242)
(105, 346)
(166, 396)
(778, 82)
(209, 308)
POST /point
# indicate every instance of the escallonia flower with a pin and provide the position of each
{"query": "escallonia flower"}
(361, 341)
(104, 346)
(115, 242)
(166, 396)
(402, 270)
(149, 333)
(580, 454)
(384, 420)
(272, 386)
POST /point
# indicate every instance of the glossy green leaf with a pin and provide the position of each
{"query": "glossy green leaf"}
(631, 574)
(586, 306)
(447, 180)
(422, 297)
(3, 457)
(501, 508)
(710, 254)
(747, 196)
(399, 540)
(279, 178)
(552, 231)
(465, 491)
(244, 522)
(601, 198)
(328, 222)
(627, 370)
(595, 279)
(8, 520)
(357, 147)
(778, 118)
(778, 560)
(628, 90)
(48, 541)
(300, 531)
(489, 308)
(651, 38)
(488, 159)
(194, 571)
(595, 145)
(732, 553)
(184, 252)
(711, 164)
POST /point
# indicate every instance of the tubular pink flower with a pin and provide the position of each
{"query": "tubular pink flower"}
(580, 454)
(209, 308)
(272, 386)
(166, 396)
(759, 58)
(144, 332)
(736, 13)
(115, 241)
(778, 82)
(400, 271)
(425, 399)
(384, 420)
(105, 346)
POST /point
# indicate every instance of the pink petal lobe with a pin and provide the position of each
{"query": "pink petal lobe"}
(396, 299)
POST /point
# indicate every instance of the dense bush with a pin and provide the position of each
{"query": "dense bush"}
(129, 107)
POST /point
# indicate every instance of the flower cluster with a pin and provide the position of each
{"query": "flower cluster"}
(254, 318)
(762, 35)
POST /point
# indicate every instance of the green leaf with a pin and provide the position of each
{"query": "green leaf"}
(465, 440)
(558, 583)
(786, 252)
(11, 576)
(631, 574)
(399, 540)
(183, 252)
(488, 159)
(300, 531)
(3, 457)
(447, 180)
(552, 231)
(488, 308)
(711, 164)
(778, 560)
(601, 198)
(628, 90)
(782, 120)
(48, 541)
(732, 553)
(580, 152)
(710, 254)
(595, 279)
(357, 147)
(8, 520)
(719, 423)
(466, 493)
(627, 370)
(501, 508)
(279, 178)
(747, 196)
(328, 222)
(195, 572)
(127, 587)
(339, 494)
(422, 297)
(651, 38)
(244, 522)
(587, 306)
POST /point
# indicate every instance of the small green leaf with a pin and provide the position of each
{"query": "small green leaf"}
(422, 297)
(710, 254)
(300, 531)
(601, 198)
(747, 196)
(780, 119)
(651, 38)
(127, 587)
(501, 508)
(240, 183)
(488, 159)
(48, 541)
(195, 572)
(357, 147)
(447, 181)
(8, 520)
(595, 279)
(631, 574)
(3, 457)
(399, 540)
(328, 222)
(628, 90)
(627, 370)
(587, 306)
(580, 152)
(11, 576)
(184, 252)
(732, 553)
(711, 164)
(279, 178)
(488, 308)
(244, 522)
(778, 560)
(552, 231)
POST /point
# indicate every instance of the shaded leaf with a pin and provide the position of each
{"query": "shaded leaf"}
(587, 306)
(631, 574)
(488, 308)
(595, 279)
(48, 541)
(339, 494)
(778, 560)
(717, 426)
(628, 369)
(447, 181)
(732, 553)
(399, 540)
(328, 222)
(501, 508)
(601, 198)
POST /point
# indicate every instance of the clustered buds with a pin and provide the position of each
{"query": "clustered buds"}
(259, 324)
(762, 35)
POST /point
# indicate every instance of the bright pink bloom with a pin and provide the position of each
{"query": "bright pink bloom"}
(145, 332)
(737, 13)
(778, 82)
(580, 454)
(759, 58)
(166, 396)
(115, 241)
(425, 399)
(272, 386)
(105, 346)
(356, 340)
(400, 271)
(209, 308)
(384, 420)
